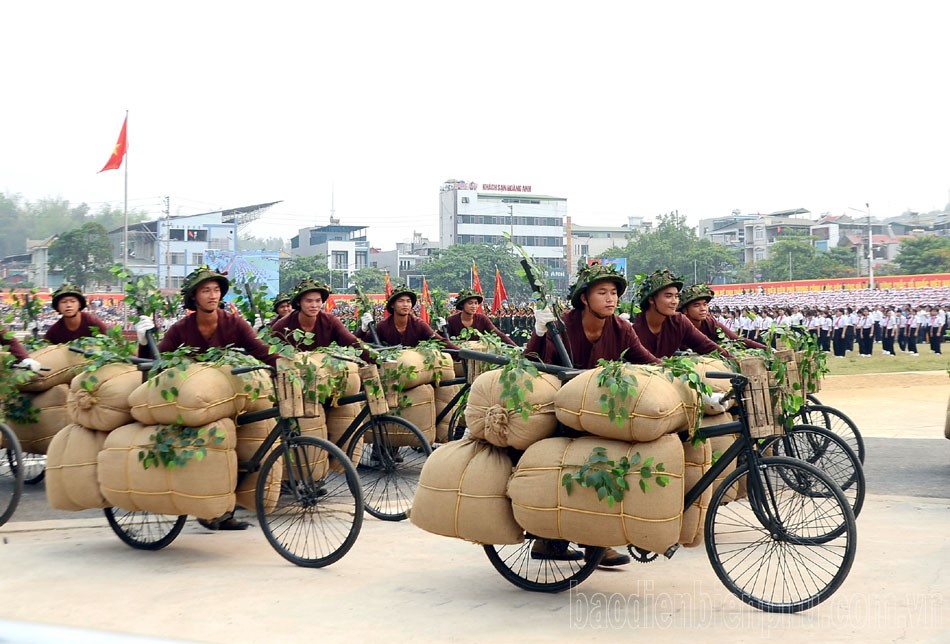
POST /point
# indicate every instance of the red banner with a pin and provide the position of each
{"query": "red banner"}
(884, 282)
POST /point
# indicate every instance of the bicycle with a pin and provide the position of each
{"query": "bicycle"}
(813, 412)
(311, 518)
(11, 473)
(779, 533)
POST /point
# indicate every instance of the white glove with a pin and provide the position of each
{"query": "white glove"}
(541, 319)
(625, 316)
(144, 324)
(365, 320)
(258, 321)
(31, 364)
(440, 322)
(713, 403)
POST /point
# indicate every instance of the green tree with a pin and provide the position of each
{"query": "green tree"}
(925, 254)
(84, 254)
(451, 271)
(370, 279)
(299, 268)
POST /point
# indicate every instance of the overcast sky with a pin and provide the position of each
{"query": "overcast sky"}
(624, 108)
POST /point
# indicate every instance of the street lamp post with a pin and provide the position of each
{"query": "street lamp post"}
(870, 243)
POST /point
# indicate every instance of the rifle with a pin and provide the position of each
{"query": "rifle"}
(255, 314)
(363, 300)
(555, 327)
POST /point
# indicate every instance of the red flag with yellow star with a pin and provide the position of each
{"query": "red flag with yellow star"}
(477, 284)
(118, 152)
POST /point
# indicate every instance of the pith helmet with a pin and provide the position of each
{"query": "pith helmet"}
(590, 275)
(280, 299)
(695, 292)
(467, 294)
(305, 286)
(198, 276)
(398, 291)
(657, 281)
(68, 289)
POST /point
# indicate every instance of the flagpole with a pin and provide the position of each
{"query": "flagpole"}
(125, 206)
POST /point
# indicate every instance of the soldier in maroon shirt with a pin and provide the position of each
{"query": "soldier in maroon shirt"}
(74, 323)
(401, 327)
(18, 351)
(660, 327)
(308, 315)
(694, 304)
(468, 317)
(282, 308)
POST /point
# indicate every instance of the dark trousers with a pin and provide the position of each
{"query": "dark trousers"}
(887, 341)
(911, 340)
(902, 338)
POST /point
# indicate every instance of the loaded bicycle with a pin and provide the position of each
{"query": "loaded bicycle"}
(779, 533)
(11, 473)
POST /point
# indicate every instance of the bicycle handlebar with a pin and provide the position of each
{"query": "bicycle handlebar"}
(564, 373)
(237, 371)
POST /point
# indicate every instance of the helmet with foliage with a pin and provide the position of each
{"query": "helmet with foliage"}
(467, 294)
(589, 275)
(655, 282)
(398, 291)
(68, 289)
(695, 292)
(281, 298)
(305, 286)
(195, 278)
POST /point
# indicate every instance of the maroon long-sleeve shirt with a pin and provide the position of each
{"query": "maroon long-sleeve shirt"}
(59, 334)
(480, 322)
(16, 349)
(616, 337)
(232, 329)
(416, 331)
(677, 331)
(326, 329)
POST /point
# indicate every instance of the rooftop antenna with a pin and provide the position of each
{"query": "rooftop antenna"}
(333, 219)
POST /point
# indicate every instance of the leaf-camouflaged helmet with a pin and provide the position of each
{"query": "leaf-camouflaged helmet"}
(695, 292)
(590, 275)
(305, 286)
(280, 299)
(198, 276)
(398, 291)
(467, 294)
(657, 281)
(68, 289)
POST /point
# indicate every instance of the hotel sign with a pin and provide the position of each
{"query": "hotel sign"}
(504, 187)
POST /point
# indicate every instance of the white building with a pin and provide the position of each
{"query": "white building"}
(584, 242)
(473, 214)
(345, 248)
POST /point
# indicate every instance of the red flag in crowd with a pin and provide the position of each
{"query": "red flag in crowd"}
(477, 284)
(425, 301)
(500, 293)
(389, 292)
(118, 152)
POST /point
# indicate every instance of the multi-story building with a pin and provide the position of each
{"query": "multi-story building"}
(584, 242)
(473, 214)
(345, 248)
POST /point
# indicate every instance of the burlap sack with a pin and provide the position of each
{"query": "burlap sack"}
(410, 369)
(100, 399)
(444, 396)
(655, 409)
(138, 405)
(698, 459)
(204, 489)
(323, 382)
(650, 520)
(72, 481)
(708, 363)
(488, 417)
(338, 420)
(416, 405)
(62, 365)
(195, 396)
(53, 416)
(461, 494)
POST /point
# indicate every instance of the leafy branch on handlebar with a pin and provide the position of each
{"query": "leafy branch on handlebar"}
(15, 406)
(101, 349)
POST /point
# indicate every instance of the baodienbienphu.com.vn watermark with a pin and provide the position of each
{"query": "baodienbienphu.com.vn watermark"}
(646, 607)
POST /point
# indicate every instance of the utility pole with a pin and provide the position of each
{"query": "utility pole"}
(168, 243)
(870, 248)
(511, 218)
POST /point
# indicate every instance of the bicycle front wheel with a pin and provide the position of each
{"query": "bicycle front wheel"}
(313, 517)
(394, 451)
(11, 473)
(784, 548)
(144, 530)
(835, 421)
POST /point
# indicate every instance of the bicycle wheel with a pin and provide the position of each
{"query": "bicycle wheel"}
(313, 518)
(457, 423)
(827, 451)
(835, 421)
(389, 467)
(34, 468)
(144, 530)
(780, 550)
(11, 473)
(516, 564)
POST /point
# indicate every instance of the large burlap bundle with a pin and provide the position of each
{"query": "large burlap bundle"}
(414, 367)
(656, 408)
(416, 405)
(698, 460)
(461, 494)
(338, 420)
(72, 481)
(53, 416)
(488, 417)
(62, 365)
(204, 489)
(444, 396)
(195, 396)
(100, 399)
(649, 520)
(708, 363)
(138, 405)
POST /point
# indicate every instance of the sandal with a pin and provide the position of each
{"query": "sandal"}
(224, 522)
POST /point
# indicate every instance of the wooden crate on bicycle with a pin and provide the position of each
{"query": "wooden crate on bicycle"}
(758, 397)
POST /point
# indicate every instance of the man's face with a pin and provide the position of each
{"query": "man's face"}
(68, 306)
(402, 305)
(311, 303)
(601, 298)
(284, 308)
(207, 296)
(697, 311)
(666, 301)
(470, 306)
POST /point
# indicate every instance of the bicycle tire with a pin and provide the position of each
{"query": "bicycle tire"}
(790, 563)
(827, 451)
(833, 420)
(34, 468)
(144, 530)
(317, 513)
(516, 565)
(389, 465)
(11, 474)
(457, 423)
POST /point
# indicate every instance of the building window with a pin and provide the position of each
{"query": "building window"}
(199, 235)
(464, 199)
(176, 259)
(197, 258)
(176, 234)
(338, 257)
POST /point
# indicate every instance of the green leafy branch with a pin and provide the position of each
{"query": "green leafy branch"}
(619, 384)
(609, 479)
(176, 445)
(516, 381)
